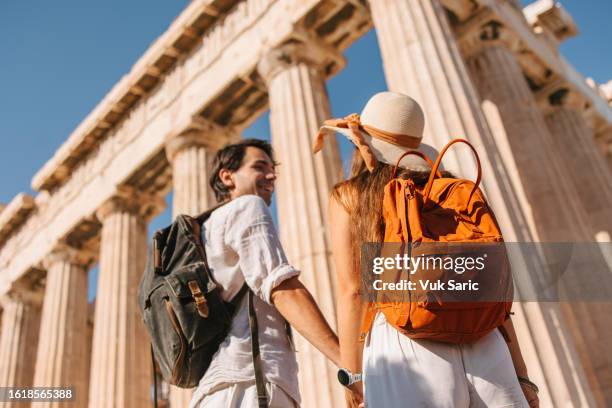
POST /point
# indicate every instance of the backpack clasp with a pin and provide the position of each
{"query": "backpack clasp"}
(199, 298)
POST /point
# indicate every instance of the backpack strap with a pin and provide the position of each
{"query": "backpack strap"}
(154, 377)
(429, 184)
(238, 297)
(262, 397)
(206, 214)
(415, 153)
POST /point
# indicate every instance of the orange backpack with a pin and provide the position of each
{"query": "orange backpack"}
(448, 216)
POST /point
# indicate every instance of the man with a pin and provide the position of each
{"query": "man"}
(242, 245)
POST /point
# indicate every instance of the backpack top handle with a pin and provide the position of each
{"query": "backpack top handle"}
(429, 184)
(416, 153)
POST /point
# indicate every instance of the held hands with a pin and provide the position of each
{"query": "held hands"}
(354, 395)
(530, 390)
(531, 395)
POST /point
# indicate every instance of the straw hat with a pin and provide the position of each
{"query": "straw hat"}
(389, 125)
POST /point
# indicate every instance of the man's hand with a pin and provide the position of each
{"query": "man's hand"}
(298, 307)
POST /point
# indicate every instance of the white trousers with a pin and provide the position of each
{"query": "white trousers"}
(400, 372)
(244, 395)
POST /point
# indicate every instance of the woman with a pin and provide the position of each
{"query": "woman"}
(399, 371)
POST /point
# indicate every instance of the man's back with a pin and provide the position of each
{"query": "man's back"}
(242, 245)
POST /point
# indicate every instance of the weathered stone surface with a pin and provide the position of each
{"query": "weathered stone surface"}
(120, 361)
(18, 339)
(298, 105)
(420, 44)
(63, 353)
(226, 60)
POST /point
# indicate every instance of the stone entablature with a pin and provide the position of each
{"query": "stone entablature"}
(221, 64)
(539, 60)
(200, 35)
(549, 19)
(204, 77)
(14, 215)
(182, 35)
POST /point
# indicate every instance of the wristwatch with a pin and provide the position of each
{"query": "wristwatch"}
(347, 378)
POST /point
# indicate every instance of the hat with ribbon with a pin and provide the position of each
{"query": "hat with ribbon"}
(389, 125)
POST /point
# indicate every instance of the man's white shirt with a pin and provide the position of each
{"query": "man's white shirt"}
(241, 245)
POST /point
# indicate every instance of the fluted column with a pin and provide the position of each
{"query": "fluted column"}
(604, 142)
(120, 361)
(516, 120)
(557, 214)
(421, 58)
(190, 152)
(63, 356)
(18, 339)
(298, 105)
(575, 147)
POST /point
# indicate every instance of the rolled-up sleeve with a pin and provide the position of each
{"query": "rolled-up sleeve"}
(251, 233)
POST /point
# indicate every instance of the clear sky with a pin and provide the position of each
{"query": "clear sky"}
(59, 58)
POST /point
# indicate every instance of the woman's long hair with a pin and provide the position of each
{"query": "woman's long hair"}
(361, 195)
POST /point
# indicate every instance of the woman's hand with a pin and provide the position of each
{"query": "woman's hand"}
(530, 395)
(354, 396)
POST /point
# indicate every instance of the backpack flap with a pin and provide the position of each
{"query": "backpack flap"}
(198, 306)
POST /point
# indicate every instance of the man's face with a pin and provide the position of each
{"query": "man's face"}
(256, 175)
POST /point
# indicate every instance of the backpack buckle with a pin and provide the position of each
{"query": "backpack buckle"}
(198, 297)
(410, 189)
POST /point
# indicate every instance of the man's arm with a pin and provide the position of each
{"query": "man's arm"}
(298, 307)
(251, 233)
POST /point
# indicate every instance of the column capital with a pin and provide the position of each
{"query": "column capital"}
(198, 132)
(560, 94)
(129, 199)
(65, 253)
(551, 18)
(24, 293)
(301, 50)
(485, 30)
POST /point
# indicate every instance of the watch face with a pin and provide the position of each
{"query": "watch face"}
(343, 377)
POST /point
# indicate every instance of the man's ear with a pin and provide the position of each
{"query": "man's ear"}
(226, 178)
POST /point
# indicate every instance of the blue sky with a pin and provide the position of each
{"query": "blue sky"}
(59, 59)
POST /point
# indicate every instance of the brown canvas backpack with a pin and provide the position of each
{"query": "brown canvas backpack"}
(447, 217)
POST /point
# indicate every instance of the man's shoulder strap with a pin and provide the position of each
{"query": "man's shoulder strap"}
(206, 214)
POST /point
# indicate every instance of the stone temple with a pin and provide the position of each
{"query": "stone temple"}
(486, 70)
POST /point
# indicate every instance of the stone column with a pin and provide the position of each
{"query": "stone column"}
(592, 178)
(575, 147)
(556, 212)
(604, 142)
(19, 339)
(421, 58)
(63, 356)
(190, 152)
(121, 361)
(516, 120)
(298, 105)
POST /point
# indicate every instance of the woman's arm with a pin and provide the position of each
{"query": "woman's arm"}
(519, 364)
(515, 350)
(350, 307)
